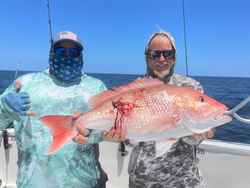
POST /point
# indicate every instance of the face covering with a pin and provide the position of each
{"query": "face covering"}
(66, 67)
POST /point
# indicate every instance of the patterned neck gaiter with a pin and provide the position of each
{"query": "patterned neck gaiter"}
(66, 67)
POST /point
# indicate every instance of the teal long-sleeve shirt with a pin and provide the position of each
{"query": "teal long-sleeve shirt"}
(71, 166)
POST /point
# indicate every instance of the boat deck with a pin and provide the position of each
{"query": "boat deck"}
(223, 164)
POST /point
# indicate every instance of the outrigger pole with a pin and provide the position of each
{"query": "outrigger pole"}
(185, 36)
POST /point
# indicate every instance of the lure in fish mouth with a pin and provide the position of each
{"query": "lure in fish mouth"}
(147, 109)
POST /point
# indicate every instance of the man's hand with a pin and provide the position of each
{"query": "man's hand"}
(115, 135)
(19, 102)
(205, 135)
(82, 137)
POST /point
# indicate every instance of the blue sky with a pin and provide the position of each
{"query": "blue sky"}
(115, 32)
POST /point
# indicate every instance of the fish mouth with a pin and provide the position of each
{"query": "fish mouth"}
(220, 118)
(218, 114)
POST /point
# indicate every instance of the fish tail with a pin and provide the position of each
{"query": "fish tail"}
(62, 129)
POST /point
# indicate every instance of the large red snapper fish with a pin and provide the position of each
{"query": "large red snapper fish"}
(147, 109)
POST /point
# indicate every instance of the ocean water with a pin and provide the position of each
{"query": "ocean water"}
(227, 90)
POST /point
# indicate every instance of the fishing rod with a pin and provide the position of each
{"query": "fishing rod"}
(5, 133)
(240, 105)
(17, 70)
(185, 36)
(19, 89)
(6, 143)
(49, 23)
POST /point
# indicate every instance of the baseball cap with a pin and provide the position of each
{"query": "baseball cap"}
(67, 36)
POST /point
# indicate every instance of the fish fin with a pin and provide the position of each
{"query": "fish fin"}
(61, 140)
(62, 130)
(207, 126)
(101, 97)
(199, 131)
(139, 83)
(162, 147)
(108, 94)
(160, 125)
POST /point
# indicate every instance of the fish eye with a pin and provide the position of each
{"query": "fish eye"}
(201, 98)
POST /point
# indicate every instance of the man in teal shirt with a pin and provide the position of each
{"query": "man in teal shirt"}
(61, 89)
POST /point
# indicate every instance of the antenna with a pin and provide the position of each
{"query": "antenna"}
(49, 23)
(17, 70)
(185, 37)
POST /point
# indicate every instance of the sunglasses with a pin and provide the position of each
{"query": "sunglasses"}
(62, 51)
(155, 54)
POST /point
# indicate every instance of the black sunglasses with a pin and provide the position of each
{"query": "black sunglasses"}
(62, 51)
(155, 54)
